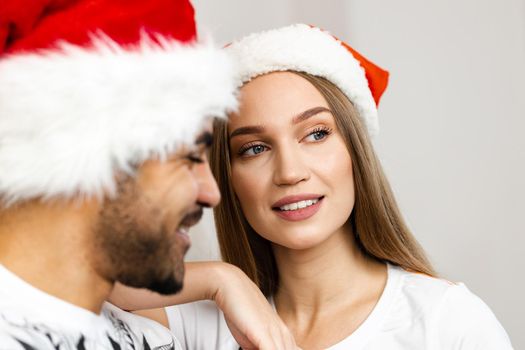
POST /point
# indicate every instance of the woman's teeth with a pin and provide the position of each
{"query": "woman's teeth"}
(299, 205)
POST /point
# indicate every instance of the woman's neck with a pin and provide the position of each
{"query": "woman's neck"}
(325, 278)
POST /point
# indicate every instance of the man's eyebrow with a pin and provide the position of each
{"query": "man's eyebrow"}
(309, 113)
(246, 130)
(206, 139)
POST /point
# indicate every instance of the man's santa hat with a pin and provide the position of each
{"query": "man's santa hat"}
(314, 51)
(90, 87)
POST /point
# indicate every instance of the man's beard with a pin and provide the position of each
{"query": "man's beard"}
(133, 245)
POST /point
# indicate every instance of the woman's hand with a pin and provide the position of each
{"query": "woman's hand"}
(252, 321)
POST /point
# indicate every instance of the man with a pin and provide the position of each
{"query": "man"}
(103, 109)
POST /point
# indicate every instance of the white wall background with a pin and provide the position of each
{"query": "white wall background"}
(452, 119)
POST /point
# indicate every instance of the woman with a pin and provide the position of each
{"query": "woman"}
(308, 215)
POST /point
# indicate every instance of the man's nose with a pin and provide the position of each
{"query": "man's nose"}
(208, 194)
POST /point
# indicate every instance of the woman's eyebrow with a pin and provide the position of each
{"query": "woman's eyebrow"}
(258, 129)
(246, 130)
(309, 113)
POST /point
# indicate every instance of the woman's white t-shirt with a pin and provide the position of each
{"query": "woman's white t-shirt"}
(414, 312)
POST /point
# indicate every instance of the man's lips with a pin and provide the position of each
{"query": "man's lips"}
(189, 220)
(295, 198)
(192, 218)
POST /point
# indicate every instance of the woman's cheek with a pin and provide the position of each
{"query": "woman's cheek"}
(244, 182)
(249, 183)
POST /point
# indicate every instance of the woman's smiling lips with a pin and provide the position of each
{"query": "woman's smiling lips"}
(298, 207)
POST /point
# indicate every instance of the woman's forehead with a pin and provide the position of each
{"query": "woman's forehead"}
(275, 83)
(274, 98)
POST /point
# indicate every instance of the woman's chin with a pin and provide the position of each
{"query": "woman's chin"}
(300, 242)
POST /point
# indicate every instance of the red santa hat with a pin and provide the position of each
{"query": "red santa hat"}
(89, 87)
(314, 51)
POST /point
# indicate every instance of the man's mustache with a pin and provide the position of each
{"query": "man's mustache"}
(192, 218)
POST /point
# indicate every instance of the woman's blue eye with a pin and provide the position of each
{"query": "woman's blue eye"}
(257, 149)
(254, 150)
(318, 135)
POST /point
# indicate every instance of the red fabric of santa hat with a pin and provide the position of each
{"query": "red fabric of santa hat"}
(90, 87)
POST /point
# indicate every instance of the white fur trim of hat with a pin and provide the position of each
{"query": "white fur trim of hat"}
(91, 89)
(308, 49)
(70, 118)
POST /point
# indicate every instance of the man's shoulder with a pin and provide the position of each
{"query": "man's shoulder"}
(29, 325)
(118, 317)
(146, 332)
(8, 340)
(118, 329)
(15, 336)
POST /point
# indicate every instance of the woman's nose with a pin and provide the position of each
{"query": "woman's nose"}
(290, 167)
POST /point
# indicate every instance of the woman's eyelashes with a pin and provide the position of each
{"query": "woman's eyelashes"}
(318, 134)
(253, 148)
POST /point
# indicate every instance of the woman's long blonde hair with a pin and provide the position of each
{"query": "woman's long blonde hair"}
(377, 225)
